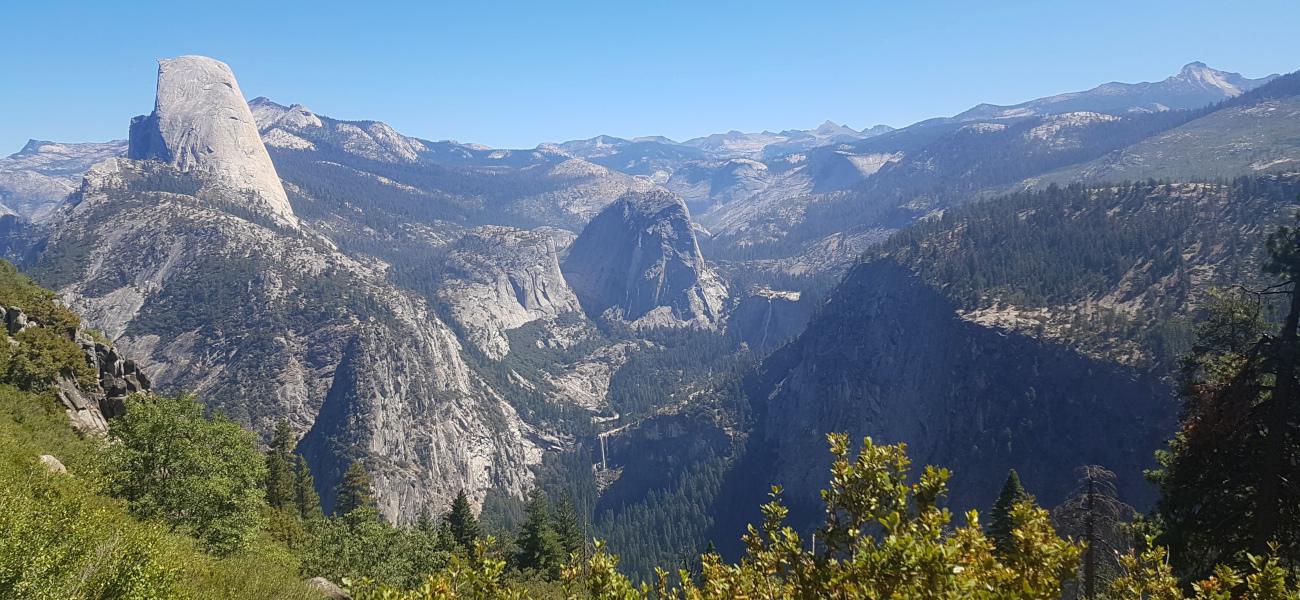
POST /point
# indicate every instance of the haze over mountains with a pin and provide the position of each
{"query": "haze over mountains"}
(639, 320)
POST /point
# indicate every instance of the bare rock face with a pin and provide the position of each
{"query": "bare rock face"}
(585, 382)
(267, 324)
(500, 278)
(887, 357)
(201, 122)
(639, 261)
(767, 318)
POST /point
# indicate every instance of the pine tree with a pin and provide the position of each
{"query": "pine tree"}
(1208, 474)
(539, 547)
(1000, 521)
(304, 491)
(1279, 414)
(425, 522)
(355, 491)
(569, 529)
(446, 541)
(1094, 515)
(1227, 478)
(462, 522)
(279, 482)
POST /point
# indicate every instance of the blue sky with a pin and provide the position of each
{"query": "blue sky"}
(513, 74)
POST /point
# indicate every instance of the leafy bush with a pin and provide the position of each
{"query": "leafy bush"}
(360, 544)
(885, 536)
(57, 541)
(60, 537)
(38, 303)
(6, 361)
(42, 356)
(201, 476)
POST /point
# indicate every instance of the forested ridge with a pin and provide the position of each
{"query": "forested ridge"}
(1102, 264)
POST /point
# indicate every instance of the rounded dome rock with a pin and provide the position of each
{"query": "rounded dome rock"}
(201, 123)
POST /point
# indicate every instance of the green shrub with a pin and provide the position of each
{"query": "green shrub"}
(43, 355)
(201, 476)
(59, 541)
(360, 544)
(38, 303)
(6, 360)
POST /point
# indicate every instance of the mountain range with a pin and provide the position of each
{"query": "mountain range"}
(636, 320)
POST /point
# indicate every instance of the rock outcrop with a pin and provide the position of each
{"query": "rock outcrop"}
(767, 318)
(327, 588)
(499, 278)
(117, 378)
(201, 122)
(638, 261)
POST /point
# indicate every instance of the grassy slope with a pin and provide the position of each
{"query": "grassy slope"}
(62, 536)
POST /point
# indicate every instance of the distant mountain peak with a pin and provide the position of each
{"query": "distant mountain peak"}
(658, 139)
(830, 127)
(32, 146)
(1194, 86)
(1200, 73)
(264, 101)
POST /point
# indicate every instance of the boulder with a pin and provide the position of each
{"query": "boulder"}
(328, 589)
(52, 463)
(15, 320)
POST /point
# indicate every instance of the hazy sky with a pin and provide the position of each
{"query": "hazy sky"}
(513, 74)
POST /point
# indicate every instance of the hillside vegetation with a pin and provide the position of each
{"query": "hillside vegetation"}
(61, 533)
(1116, 271)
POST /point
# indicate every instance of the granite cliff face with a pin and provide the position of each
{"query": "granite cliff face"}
(201, 122)
(767, 318)
(496, 279)
(200, 277)
(888, 357)
(638, 261)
